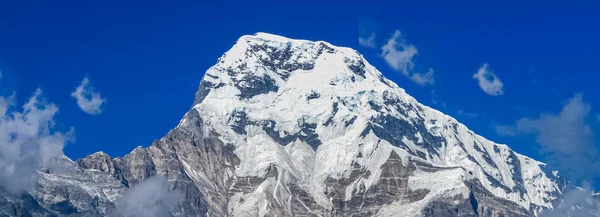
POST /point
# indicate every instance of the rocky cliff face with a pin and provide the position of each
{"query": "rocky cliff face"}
(283, 127)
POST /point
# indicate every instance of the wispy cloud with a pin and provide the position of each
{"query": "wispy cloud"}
(468, 114)
(368, 42)
(505, 130)
(150, 198)
(423, 78)
(435, 100)
(566, 139)
(576, 202)
(5, 104)
(28, 141)
(399, 55)
(87, 98)
(488, 81)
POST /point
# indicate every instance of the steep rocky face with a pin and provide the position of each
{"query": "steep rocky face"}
(283, 127)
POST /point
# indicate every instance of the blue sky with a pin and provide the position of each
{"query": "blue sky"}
(147, 58)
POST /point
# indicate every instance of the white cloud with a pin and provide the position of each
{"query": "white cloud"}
(88, 99)
(5, 104)
(28, 141)
(566, 139)
(149, 198)
(368, 42)
(399, 55)
(576, 202)
(488, 81)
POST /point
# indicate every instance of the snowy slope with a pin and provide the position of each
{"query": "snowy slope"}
(266, 91)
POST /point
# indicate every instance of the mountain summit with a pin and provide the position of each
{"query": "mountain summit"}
(285, 127)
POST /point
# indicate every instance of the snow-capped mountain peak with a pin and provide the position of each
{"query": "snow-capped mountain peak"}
(279, 94)
(286, 127)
